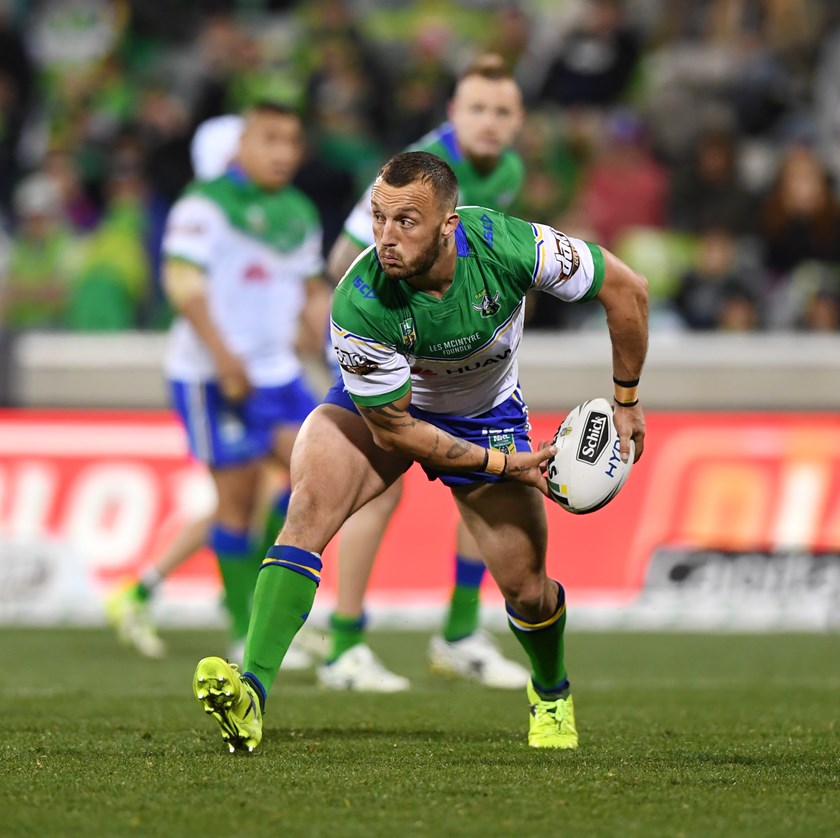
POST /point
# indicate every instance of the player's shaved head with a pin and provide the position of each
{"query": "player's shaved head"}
(429, 169)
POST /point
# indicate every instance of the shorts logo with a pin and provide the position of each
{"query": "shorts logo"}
(566, 255)
(502, 441)
(593, 440)
(354, 363)
(488, 307)
(231, 429)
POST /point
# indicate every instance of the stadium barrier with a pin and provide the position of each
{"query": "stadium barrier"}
(779, 371)
(730, 521)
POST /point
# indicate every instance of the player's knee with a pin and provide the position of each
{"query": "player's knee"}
(525, 595)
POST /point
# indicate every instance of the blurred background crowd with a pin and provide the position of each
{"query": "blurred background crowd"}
(698, 139)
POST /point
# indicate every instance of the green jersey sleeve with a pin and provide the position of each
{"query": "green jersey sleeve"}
(365, 341)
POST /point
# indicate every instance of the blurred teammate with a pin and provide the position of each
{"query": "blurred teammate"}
(445, 290)
(242, 254)
(485, 115)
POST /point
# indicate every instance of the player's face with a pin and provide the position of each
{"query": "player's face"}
(271, 148)
(487, 115)
(409, 227)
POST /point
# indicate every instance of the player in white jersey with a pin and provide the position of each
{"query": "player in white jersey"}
(485, 115)
(241, 242)
(442, 291)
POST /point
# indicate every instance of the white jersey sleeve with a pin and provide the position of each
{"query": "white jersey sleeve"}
(373, 372)
(311, 254)
(359, 224)
(195, 231)
(564, 267)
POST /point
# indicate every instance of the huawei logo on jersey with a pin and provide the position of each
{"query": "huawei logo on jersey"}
(256, 273)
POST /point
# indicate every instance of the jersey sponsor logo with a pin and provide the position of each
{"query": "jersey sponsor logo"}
(477, 365)
(456, 346)
(488, 307)
(424, 372)
(363, 288)
(566, 255)
(594, 437)
(355, 363)
(487, 225)
(256, 273)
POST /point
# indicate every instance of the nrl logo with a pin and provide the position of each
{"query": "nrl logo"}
(255, 218)
(487, 307)
(409, 334)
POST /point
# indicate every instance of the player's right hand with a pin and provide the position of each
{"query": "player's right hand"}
(529, 467)
(233, 378)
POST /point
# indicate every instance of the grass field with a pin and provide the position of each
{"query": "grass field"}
(680, 735)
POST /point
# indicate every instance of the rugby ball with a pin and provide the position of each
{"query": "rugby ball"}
(586, 473)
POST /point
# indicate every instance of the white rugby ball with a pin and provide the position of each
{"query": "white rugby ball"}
(586, 473)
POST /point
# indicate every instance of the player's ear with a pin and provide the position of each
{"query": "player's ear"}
(450, 223)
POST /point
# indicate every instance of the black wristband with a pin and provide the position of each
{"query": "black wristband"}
(620, 383)
(626, 404)
(504, 470)
(486, 459)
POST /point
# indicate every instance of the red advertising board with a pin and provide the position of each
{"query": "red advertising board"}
(113, 487)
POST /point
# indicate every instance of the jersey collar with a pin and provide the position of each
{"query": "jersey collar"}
(462, 246)
(450, 141)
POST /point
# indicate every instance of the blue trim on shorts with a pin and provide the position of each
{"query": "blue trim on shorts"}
(221, 433)
(505, 427)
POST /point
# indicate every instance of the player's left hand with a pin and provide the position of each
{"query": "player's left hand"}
(630, 424)
(529, 467)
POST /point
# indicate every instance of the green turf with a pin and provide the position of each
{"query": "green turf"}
(680, 735)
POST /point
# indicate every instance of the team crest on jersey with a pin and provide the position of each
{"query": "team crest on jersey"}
(256, 219)
(409, 334)
(488, 305)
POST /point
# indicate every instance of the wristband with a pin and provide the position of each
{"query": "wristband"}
(496, 462)
(626, 404)
(486, 458)
(632, 383)
(626, 392)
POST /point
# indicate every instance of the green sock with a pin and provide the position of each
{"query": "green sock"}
(285, 592)
(147, 584)
(239, 575)
(464, 604)
(544, 647)
(345, 633)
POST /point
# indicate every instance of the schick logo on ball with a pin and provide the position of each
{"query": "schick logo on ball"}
(593, 440)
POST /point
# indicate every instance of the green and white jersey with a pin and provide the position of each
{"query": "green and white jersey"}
(457, 354)
(257, 248)
(497, 189)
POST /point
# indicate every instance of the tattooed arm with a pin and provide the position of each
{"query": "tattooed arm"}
(395, 429)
